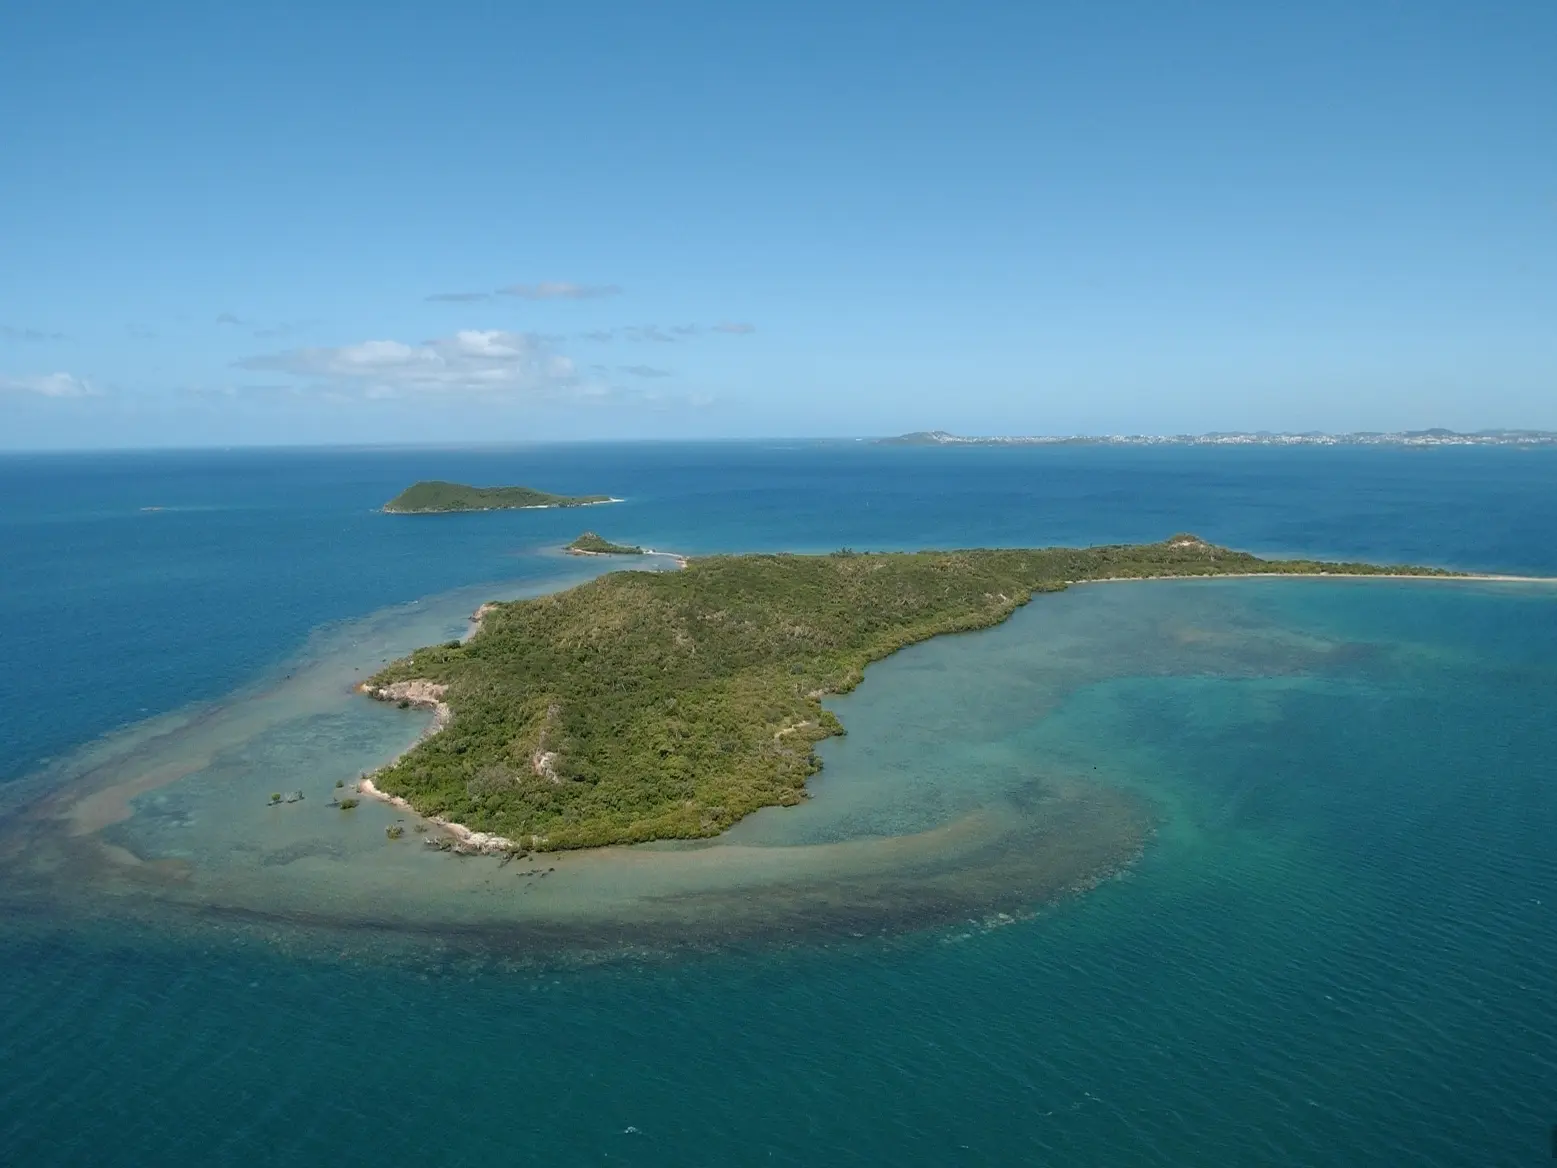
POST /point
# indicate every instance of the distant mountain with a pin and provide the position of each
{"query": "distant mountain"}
(1433, 437)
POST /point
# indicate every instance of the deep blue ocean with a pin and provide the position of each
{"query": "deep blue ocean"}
(1339, 948)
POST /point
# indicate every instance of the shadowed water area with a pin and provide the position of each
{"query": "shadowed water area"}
(1334, 948)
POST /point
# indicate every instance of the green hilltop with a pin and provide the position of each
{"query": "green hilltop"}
(433, 496)
(645, 705)
(590, 544)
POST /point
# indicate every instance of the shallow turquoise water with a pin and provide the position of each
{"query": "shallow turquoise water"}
(1338, 948)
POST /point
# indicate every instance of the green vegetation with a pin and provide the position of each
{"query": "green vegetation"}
(348, 804)
(645, 705)
(590, 544)
(433, 496)
(394, 831)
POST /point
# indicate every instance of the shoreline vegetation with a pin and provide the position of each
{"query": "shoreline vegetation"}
(590, 544)
(434, 497)
(644, 706)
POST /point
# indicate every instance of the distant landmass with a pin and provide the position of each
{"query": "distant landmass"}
(1434, 437)
(433, 497)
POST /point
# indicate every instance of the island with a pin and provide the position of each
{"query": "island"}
(646, 706)
(432, 497)
(590, 544)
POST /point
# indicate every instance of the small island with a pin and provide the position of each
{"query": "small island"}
(590, 544)
(668, 705)
(433, 497)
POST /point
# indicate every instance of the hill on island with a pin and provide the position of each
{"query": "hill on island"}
(590, 544)
(655, 705)
(433, 496)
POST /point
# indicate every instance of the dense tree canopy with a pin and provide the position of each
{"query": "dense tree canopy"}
(432, 496)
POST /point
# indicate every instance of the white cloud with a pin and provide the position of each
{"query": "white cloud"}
(277, 331)
(10, 333)
(647, 332)
(50, 385)
(561, 290)
(663, 336)
(472, 361)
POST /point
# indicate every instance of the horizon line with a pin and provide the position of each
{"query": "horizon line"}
(931, 438)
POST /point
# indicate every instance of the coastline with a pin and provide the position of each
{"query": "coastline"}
(348, 854)
(681, 560)
(388, 510)
(1461, 577)
(548, 506)
(425, 694)
(94, 791)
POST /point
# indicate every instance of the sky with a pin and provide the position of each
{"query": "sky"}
(290, 223)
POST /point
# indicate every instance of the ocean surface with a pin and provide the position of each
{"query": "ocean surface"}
(1335, 944)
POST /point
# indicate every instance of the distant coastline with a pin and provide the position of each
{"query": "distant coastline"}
(1411, 438)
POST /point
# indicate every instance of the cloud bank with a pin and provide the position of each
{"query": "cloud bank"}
(473, 361)
(546, 290)
(561, 290)
(50, 385)
(7, 333)
(664, 336)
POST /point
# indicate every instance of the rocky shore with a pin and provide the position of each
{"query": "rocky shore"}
(428, 695)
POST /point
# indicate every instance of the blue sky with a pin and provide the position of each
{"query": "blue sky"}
(331, 222)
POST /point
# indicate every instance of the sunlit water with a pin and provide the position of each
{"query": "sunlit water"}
(1335, 948)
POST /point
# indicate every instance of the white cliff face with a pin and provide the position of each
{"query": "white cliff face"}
(418, 691)
(543, 761)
